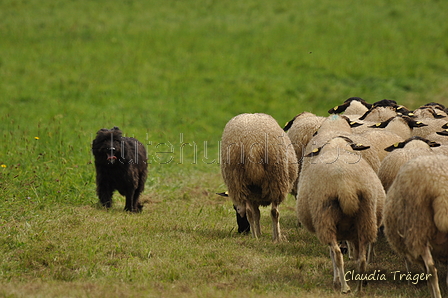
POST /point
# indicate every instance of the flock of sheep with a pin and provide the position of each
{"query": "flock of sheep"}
(364, 167)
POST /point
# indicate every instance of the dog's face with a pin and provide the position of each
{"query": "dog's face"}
(107, 145)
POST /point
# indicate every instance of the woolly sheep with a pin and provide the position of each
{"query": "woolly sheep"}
(401, 125)
(432, 126)
(258, 166)
(300, 130)
(334, 126)
(340, 198)
(431, 110)
(354, 106)
(400, 153)
(383, 110)
(416, 214)
(386, 133)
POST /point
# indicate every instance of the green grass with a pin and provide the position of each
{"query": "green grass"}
(172, 73)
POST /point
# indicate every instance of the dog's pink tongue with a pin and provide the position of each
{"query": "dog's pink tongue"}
(109, 157)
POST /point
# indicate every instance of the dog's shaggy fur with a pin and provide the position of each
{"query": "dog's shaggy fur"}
(121, 164)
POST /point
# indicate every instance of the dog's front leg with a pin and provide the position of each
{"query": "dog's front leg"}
(130, 201)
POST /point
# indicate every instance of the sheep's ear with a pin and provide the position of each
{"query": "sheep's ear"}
(355, 124)
(443, 133)
(380, 124)
(413, 123)
(224, 194)
(432, 144)
(359, 147)
(289, 124)
(395, 146)
(315, 152)
(339, 109)
(404, 111)
(350, 122)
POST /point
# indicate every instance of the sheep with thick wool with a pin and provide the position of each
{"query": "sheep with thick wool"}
(431, 110)
(416, 214)
(340, 198)
(400, 153)
(354, 107)
(259, 167)
(335, 125)
(300, 130)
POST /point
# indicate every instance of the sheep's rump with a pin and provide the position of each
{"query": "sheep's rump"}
(257, 159)
(335, 196)
(416, 211)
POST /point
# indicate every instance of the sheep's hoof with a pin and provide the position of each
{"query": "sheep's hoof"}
(346, 291)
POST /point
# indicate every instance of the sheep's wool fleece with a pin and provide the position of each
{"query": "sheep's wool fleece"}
(339, 194)
(257, 160)
(416, 211)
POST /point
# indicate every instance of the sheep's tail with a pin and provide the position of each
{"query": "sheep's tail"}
(349, 202)
(440, 207)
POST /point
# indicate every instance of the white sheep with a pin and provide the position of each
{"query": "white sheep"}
(354, 106)
(431, 110)
(432, 126)
(383, 110)
(258, 165)
(300, 130)
(340, 198)
(416, 214)
(334, 126)
(400, 153)
(401, 125)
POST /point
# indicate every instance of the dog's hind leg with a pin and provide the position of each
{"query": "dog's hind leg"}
(141, 185)
(136, 202)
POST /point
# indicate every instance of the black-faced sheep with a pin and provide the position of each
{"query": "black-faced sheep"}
(354, 106)
(431, 110)
(340, 198)
(400, 153)
(416, 214)
(259, 167)
(383, 110)
(335, 125)
(121, 164)
(300, 130)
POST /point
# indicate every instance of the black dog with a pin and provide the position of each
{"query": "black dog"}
(121, 164)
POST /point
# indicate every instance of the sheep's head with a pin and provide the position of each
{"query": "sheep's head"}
(348, 141)
(341, 108)
(400, 145)
(405, 119)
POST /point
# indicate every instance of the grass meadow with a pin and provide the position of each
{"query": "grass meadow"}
(172, 73)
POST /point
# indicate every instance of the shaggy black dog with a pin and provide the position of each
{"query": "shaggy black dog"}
(121, 164)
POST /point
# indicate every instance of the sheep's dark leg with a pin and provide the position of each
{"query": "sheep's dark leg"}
(338, 266)
(275, 215)
(433, 280)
